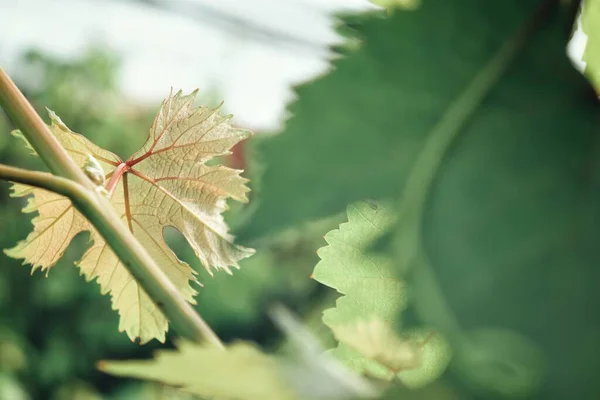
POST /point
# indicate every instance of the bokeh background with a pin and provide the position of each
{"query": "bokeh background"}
(103, 67)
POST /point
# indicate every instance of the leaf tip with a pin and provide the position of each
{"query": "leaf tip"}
(55, 119)
(102, 365)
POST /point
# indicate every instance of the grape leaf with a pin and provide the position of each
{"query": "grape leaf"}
(370, 283)
(374, 297)
(510, 222)
(165, 183)
(201, 369)
(357, 131)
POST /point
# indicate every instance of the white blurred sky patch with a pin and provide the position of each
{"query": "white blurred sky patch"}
(577, 45)
(249, 52)
(185, 46)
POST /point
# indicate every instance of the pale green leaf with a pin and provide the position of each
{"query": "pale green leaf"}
(377, 341)
(242, 372)
(166, 183)
(416, 357)
(374, 297)
(370, 282)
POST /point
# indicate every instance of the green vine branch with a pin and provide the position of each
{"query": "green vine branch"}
(431, 156)
(69, 180)
(430, 302)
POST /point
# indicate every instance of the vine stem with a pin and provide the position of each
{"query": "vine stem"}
(74, 184)
(431, 304)
(458, 114)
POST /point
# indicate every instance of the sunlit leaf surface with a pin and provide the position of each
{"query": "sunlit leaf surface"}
(165, 183)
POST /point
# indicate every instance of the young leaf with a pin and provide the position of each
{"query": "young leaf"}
(370, 283)
(374, 297)
(166, 183)
(242, 372)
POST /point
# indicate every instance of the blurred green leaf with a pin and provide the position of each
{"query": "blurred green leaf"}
(434, 353)
(208, 371)
(11, 389)
(356, 132)
(76, 390)
(590, 23)
(150, 390)
(12, 351)
(476, 105)
(370, 282)
(374, 297)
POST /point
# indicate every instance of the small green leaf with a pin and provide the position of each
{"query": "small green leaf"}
(374, 297)
(370, 282)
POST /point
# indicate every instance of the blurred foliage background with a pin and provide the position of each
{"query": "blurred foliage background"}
(53, 331)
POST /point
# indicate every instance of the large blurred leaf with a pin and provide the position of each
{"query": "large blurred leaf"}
(357, 132)
(471, 113)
